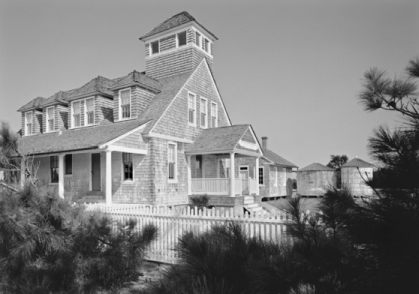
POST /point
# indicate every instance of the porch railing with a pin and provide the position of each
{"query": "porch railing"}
(221, 186)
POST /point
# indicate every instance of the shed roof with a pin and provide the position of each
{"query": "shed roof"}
(276, 159)
(172, 22)
(357, 162)
(316, 167)
(76, 139)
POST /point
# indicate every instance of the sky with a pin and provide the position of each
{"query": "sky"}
(292, 69)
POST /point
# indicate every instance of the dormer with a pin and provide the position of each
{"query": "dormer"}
(90, 104)
(55, 112)
(132, 95)
(177, 46)
(32, 117)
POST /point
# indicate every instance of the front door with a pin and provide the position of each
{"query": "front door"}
(95, 171)
(244, 176)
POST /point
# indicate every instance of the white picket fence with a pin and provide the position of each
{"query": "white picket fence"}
(173, 223)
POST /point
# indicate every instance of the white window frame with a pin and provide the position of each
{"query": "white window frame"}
(177, 39)
(193, 124)
(174, 180)
(205, 125)
(204, 41)
(31, 123)
(263, 175)
(122, 168)
(120, 106)
(48, 130)
(198, 36)
(151, 47)
(72, 114)
(216, 115)
(86, 121)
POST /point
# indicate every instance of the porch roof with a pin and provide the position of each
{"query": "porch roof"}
(276, 159)
(76, 139)
(224, 140)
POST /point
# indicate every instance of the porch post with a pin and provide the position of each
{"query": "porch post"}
(257, 176)
(188, 161)
(61, 175)
(232, 176)
(22, 172)
(108, 177)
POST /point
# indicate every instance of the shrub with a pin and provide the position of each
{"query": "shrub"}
(200, 201)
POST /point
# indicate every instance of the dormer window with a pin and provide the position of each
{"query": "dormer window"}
(28, 123)
(125, 104)
(204, 111)
(90, 111)
(181, 39)
(198, 39)
(76, 117)
(50, 119)
(214, 115)
(191, 109)
(155, 47)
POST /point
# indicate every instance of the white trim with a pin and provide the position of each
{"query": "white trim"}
(194, 124)
(216, 114)
(248, 145)
(247, 169)
(177, 38)
(126, 149)
(26, 123)
(72, 114)
(175, 179)
(205, 126)
(85, 111)
(150, 47)
(119, 104)
(122, 136)
(167, 137)
(47, 130)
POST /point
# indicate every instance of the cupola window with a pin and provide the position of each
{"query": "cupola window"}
(155, 48)
(181, 39)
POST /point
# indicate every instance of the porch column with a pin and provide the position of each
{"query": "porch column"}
(22, 172)
(188, 161)
(108, 177)
(232, 176)
(61, 175)
(257, 176)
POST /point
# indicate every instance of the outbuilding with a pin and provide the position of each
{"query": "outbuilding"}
(314, 178)
(354, 175)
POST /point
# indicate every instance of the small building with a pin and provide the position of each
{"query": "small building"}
(314, 178)
(354, 173)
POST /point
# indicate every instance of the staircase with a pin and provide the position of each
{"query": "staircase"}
(250, 205)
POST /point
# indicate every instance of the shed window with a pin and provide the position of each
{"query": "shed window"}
(181, 39)
(127, 166)
(28, 123)
(50, 119)
(90, 111)
(68, 162)
(54, 169)
(76, 114)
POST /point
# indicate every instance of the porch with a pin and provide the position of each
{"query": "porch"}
(222, 186)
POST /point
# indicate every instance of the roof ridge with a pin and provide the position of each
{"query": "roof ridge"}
(150, 33)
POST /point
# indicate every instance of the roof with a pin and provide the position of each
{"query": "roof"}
(276, 159)
(218, 139)
(357, 162)
(141, 79)
(76, 139)
(57, 98)
(34, 104)
(172, 22)
(316, 167)
(99, 84)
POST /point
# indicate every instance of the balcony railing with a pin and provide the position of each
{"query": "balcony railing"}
(221, 186)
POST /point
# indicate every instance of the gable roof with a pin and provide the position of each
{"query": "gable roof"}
(276, 159)
(357, 162)
(76, 139)
(138, 78)
(218, 139)
(316, 167)
(99, 85)
(172, 22)
(34, 104)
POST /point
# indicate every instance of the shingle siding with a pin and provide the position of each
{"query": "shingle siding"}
(134, 140)
(103, 109)
(140, 100)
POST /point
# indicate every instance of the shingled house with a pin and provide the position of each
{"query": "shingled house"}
(152, 137)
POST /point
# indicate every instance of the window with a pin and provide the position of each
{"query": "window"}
(54, 169)
(89, 111)
(127, 166)
(68, 162)
(171, 157)
(28, 123)
(214, 115)
(206, 45)
(198, 39)
(181, 39)
(261, 176)
(50, 119)
(155, 48)
(76, 114)
(204, 111)
(125, 102)
(191, 108)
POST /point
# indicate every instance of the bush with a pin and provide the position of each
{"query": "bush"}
(50, 246)
(200, 201)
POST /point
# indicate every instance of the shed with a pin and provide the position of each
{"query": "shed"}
(354, 173)
(314, 178)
